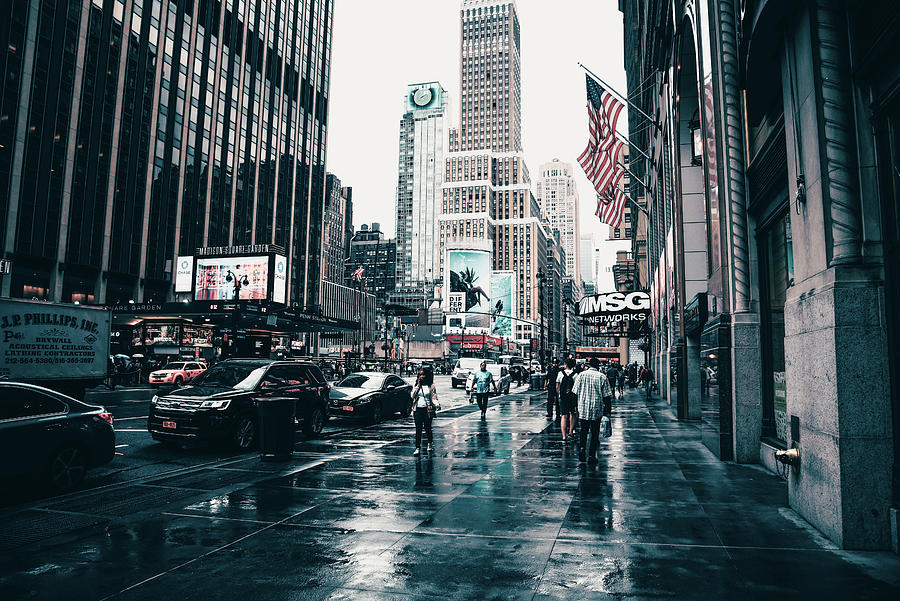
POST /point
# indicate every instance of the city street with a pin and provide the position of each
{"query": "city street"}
(139, 456)
(500, 510)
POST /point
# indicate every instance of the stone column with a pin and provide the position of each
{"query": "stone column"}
(746, 361)
(835, 337)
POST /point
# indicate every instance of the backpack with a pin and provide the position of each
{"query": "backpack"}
(566, 385)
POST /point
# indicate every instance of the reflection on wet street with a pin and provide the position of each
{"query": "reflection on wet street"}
(501, 509)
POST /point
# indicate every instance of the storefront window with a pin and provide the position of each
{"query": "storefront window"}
(777, 259)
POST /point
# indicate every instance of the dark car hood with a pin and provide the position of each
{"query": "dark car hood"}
(206, 392)
(348, 394)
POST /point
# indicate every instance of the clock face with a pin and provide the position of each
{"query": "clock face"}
(423, 96)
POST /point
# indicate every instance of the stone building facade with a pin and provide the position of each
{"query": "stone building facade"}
(773, 239)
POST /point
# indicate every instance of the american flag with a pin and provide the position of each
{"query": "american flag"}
(600, 159)
(611, 203)
(358, 274)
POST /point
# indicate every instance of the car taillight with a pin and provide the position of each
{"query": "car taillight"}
(107, 417)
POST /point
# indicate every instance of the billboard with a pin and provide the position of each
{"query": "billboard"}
(613, 313)
(279, 280)
(469, 273)
(218, 278)
(184, 274)
(503, 296)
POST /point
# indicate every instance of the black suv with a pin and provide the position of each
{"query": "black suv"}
(221, 403)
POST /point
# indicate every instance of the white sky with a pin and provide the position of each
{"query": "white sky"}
(380, 46)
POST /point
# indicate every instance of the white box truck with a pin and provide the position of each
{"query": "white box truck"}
(60, 346)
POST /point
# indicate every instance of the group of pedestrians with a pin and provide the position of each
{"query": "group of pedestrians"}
(583, 397)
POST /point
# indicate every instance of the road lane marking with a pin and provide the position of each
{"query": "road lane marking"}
(131, 429)
(119, 446)
(122, 419)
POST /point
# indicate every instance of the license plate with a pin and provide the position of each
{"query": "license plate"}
(347, 408)
(169, 425)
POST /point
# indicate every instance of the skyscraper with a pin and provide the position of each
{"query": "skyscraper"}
(335, 242)
(558, 199)
(420, 175)
(135, 132)
(487, 199)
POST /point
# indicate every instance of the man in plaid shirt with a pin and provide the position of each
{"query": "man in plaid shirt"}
(594, 401)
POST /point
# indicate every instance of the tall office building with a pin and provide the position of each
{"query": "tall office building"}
(558, 199)
(420, 175)
(487, 199)
(134, 132)
(335, 242)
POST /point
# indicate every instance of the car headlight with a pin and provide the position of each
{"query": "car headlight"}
(215, 404)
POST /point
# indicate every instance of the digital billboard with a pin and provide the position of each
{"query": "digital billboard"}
(279, 280)
(469, 273)
(184, 274)
(503, 291)
(219, 278)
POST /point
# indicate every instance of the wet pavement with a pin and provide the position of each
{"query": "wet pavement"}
(500, 510)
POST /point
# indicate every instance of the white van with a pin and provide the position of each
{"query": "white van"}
(463, 369)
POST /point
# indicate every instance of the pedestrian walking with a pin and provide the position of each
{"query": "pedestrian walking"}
(646, 378)
(426, 402)
(612, 374)
(568, 401)
(552, 390)
(594, 401)
(483, 381)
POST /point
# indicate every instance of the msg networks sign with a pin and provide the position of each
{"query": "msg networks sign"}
(615, 308)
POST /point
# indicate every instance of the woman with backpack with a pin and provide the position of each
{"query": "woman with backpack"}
(568, 402)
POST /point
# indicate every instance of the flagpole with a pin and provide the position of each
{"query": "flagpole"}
(630, 145)
(642, 209)
(623, 98)
(628, 171)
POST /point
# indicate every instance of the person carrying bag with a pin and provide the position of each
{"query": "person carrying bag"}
(425, 408)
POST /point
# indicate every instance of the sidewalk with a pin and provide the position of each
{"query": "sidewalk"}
(500, 510)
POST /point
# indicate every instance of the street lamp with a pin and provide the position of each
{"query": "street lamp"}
(696, 140)
(541, 277)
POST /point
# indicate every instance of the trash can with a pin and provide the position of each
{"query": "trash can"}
(276, 428)
(537, 381)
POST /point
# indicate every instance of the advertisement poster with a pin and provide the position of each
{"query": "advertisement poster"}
(218, 278)
(279, 280)
(469, 272)
(184, 274)
(503, 286)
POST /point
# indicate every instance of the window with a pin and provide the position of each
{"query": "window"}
(28, 403)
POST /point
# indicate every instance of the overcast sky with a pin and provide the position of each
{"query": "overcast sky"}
(381, 46)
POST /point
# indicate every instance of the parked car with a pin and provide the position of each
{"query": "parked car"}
(501, 377)
(50, 435)
(177, 373)
(371, 395)
(463, 369)
(221, 403)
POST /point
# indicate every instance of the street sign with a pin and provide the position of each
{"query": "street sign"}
(5, 266)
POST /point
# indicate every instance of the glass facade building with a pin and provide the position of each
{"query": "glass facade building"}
(420, 175)
(132, 132)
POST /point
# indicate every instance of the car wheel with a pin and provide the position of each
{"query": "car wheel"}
(245, 433)
(377, 413)
(67, 468)
(314, 424)
(178, 381)
(407, 409)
